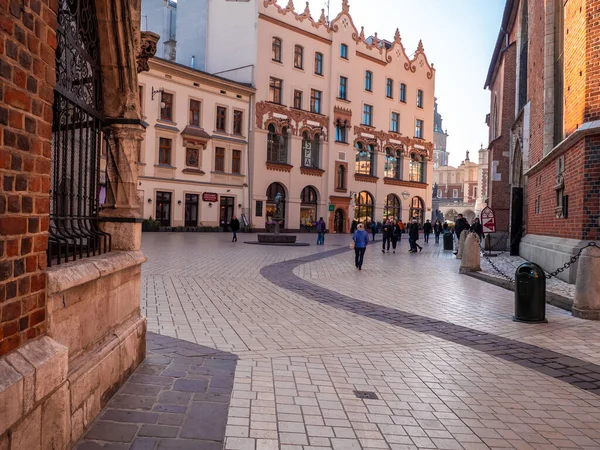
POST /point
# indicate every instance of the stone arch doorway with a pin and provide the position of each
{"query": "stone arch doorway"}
(417, 210)
(469, 214)
(339, 225)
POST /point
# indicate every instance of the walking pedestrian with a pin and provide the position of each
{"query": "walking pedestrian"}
(321, 227)
(477, 228)
(396, 234)
(427, 230)
(413, 236)
(437, 230)
(461, 225)
(445, 227)
(386, 233)
(361, 239)
(235, 226)
(402, 230)
(374, 230)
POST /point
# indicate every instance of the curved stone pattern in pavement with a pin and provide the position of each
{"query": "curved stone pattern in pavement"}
(580, 373)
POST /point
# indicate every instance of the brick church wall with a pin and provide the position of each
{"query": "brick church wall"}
(27, 77)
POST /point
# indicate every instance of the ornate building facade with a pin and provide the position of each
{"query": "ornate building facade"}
(544, 149)
(342, 123)
(193, 163)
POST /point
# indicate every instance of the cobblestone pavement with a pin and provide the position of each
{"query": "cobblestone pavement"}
(177, 400)
(433, 345)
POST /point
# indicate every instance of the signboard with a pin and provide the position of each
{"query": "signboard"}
(210, 197)
(307, 154)
(244, 220)
(488, 220)
(331, 208)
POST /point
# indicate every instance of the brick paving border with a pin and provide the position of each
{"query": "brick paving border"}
(577, 372)
(178, 399)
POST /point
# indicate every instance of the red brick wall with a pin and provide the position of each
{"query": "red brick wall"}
(592, 61)
(591, 189)
(575, 61)
(535, 79)
(499, 191)
(27, 77)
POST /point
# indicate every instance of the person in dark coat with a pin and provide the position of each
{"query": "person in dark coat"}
(374, 230)
(413, 236)
(461, 225)
(235, 226)
(477, 228)
(321, 228)
(427, 228)
(437, 230)
(396, 235)
(445, 227)
(386, 232)
(361, 239)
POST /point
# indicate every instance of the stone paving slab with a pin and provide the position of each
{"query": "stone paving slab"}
(176, 400)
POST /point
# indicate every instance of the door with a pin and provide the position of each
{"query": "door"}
(191, 210)
(226, 211)
(163, 208)
(516, 220)
(338, 221)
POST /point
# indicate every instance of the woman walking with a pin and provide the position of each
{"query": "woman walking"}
(413, 236)
(396, 234)
(361, 239)
(437, 230)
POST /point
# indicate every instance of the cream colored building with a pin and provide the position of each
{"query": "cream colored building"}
(193, 165)
(343, 123)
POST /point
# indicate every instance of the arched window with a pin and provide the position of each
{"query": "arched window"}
(308, 207)
(276, 49)
(341, 178)
(417, 168)
(417, 210)
(272, 191)
(310, 150)
(277, 145)
(365, 159)
(393, 159)
(365, 207)
(392, 208)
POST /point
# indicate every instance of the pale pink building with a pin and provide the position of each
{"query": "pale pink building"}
(342, 124)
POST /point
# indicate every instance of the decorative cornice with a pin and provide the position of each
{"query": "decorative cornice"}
(312, 171)
(193, 171)
(279, 167)
(297, 120)
(371, 58)
(147, 50)
(384, 139)
(296, 29)
(365, 178)
(339, 199)
(412, 184)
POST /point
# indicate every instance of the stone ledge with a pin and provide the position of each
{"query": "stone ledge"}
(76, 273)
(29, 375)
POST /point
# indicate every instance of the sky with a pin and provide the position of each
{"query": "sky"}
(458, 37)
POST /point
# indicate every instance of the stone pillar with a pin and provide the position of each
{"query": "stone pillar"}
(120, 213)
(461, 243)
(587, 287)
(471, 257)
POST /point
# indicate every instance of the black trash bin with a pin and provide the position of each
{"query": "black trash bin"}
(448, 241)
(530, 294)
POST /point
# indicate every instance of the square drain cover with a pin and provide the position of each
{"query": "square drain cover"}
(366, 394)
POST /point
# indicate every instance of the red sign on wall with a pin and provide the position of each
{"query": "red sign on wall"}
(488, 220)
(210, 197)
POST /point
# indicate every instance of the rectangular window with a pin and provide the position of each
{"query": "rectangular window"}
(276, 49)
(419, 129)
(195, 113)
(343, 51)
(368, 81)
(368, 115)
(315, 101)
(219, 159)
(395, 123)
(237, 121)
(403, 93)
(389, 88)
(298, 57)
(166, 112)
(275, 87)
(318, 63)
(343, 88)
(340, 134)
(221, 118)
(236, 161)
(164, 151)
(455, 193)
(420, 98)
(298, 99)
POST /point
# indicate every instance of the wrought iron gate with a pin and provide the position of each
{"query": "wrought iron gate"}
(77, 137)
